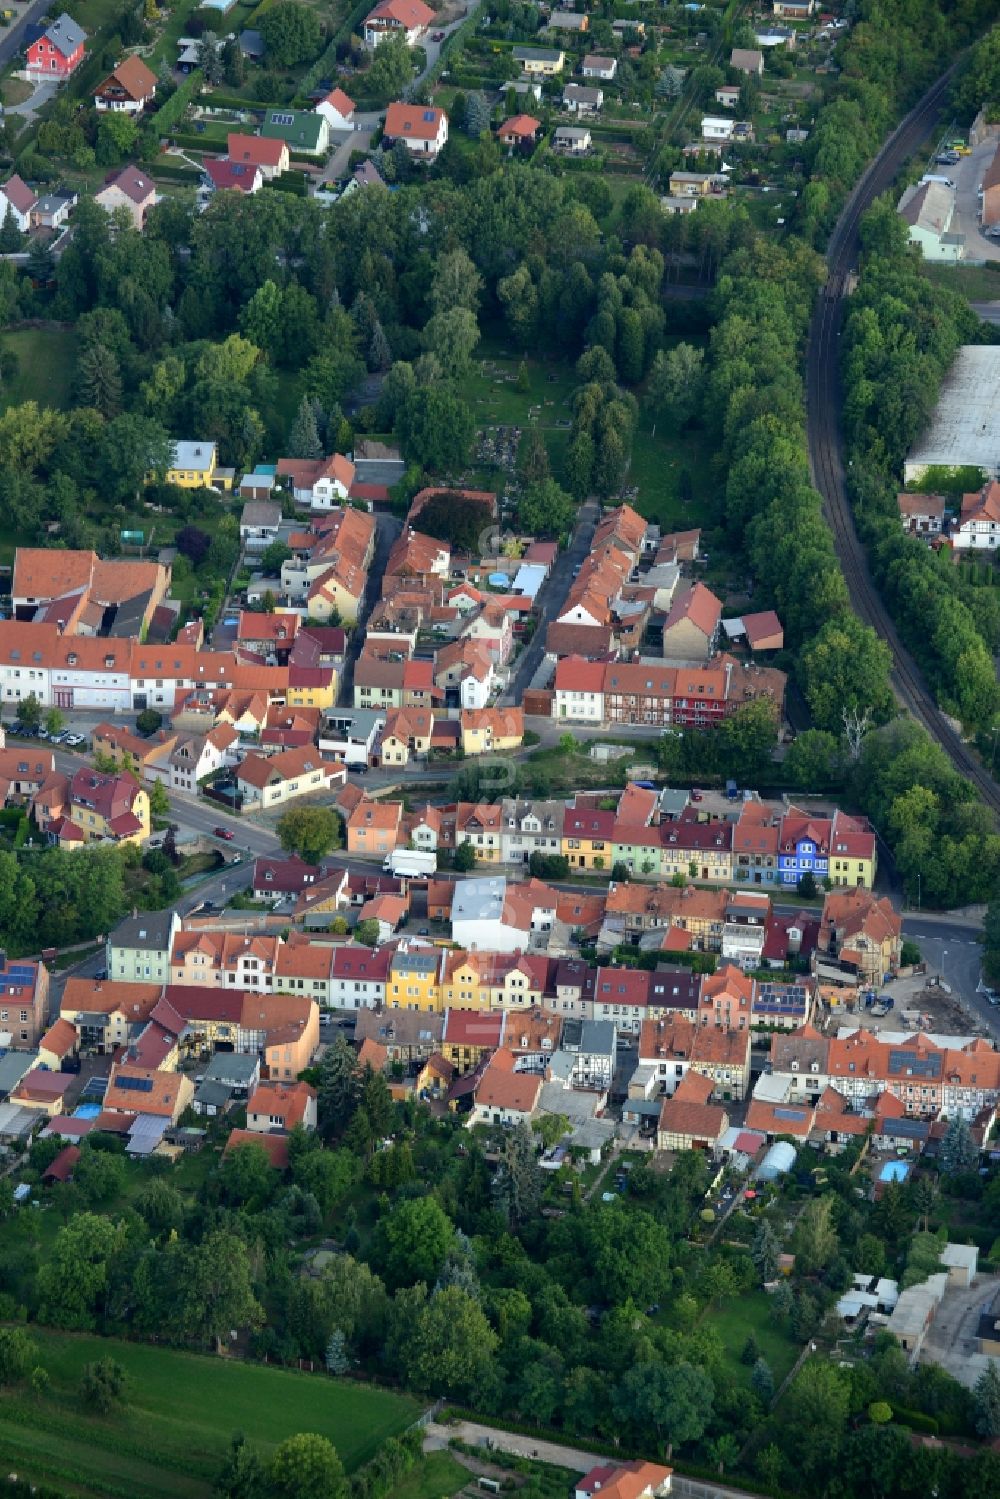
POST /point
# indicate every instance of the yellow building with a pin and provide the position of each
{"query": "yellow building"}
(462, 983)
(111, 808)
(413, 981)
(540, 62)
(196, 466)
(588, 838)
(487, 731)
(313, 693)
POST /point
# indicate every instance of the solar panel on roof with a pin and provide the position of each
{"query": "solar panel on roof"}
(789, 1114)
(909, 1062)
(135, 1084)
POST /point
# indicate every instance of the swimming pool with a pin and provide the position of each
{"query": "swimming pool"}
(86, 1111)
(894, 1171)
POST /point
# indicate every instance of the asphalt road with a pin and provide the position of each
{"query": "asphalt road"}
(11, 39)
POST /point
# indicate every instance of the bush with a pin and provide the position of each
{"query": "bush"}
(915, 1420)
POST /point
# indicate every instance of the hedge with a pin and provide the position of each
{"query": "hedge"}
(915, 1420)
(212, 99)
(173, 110)
(327, 59)
(289, 182)
(175, 172)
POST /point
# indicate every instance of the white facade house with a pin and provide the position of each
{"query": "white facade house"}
(573, 139)
(337, 109)
(17, 199)
(717, 128)
(580, 100)
(928, 208)
(978, 526)
(421, 128)
(350, 736)
(596, 66)
(529, 828)
(579, 691)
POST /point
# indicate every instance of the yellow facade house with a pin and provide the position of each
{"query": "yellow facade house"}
(195, 465)
(413, 981)
(488, 731)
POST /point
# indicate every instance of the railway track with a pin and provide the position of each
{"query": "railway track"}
(826, 457)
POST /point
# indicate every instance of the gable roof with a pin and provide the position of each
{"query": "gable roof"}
(413, 122)
(257, 149)
(20, 196)
(341, 102)
(65, 35)
(133, 76)
(134, 184)
(699, 606)
(408, 13)
(234, 175)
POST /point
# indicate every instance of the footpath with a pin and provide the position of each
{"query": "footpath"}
(491, 1437)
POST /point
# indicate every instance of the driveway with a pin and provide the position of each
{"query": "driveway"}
(951, 1337)
(43, 92)
(348, 141)
(967, 176)
(433, 49)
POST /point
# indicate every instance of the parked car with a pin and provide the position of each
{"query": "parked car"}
(697, 796)
(75, 740)
(224, 833)
(437, 36)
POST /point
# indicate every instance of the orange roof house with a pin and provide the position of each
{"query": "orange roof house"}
(140, 1090)
(519, 130)
(374, 827)
(128, 88)
(281, 1106)
(275, 1147)
(687, 1120)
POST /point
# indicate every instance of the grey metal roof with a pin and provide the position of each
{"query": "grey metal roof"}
(13, 1067)
(598, 1037)
(235, 1067)
(149, 931)
(212, 1094)
(66, 35)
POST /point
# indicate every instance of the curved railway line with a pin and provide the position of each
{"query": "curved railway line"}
(826, 457)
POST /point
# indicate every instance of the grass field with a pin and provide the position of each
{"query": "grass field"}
(183, 1409)
(435, 1477)
(734, 1322)
(45, 374)
(979, 283)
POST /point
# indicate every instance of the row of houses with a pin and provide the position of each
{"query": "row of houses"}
(654, 835)
(505, 952)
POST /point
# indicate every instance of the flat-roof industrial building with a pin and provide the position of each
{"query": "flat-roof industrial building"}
(965, 428)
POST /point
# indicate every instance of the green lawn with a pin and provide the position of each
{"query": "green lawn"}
(435, 1477)
(494, 395)
(45, 358)
(979, 283)
(183, 1408)
(659, 457)
(734, 1321)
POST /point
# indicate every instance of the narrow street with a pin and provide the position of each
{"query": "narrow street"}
(552, 596)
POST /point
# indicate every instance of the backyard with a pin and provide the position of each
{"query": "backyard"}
(44, 367)
(735, 1321)
(182, 1411)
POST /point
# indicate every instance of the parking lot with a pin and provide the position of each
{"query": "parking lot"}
(967, 175)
